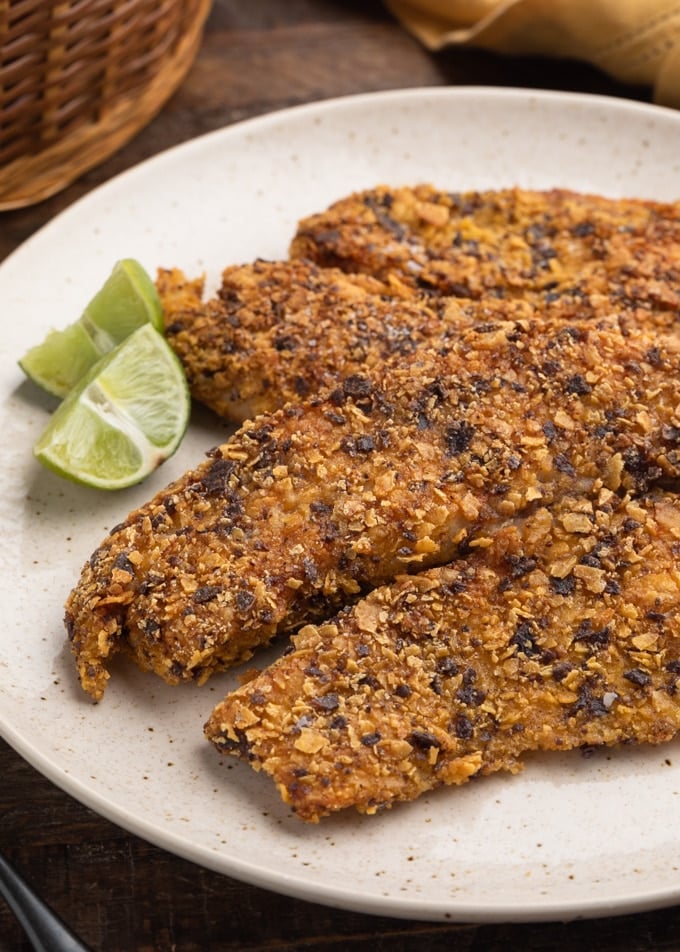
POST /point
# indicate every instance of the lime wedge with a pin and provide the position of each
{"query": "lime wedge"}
(127, 300)
(126, 416)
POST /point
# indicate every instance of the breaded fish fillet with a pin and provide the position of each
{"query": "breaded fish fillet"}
(308, 507)
(556, 248)
(281, 331)
(565, 632)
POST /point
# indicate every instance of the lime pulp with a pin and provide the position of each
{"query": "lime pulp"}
(125, 417)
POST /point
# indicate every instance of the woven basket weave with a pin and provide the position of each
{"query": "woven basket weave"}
(78, 78)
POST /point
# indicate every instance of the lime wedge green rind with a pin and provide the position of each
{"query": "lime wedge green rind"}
(123, 419)
(63, 358)
(127, 300)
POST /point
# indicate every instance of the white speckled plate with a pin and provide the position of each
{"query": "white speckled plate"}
(568, 837)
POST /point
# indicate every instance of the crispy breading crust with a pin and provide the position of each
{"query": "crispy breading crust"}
(282, 331)
(306, 508)
(565, 632)
(557, 248)
(424, 264)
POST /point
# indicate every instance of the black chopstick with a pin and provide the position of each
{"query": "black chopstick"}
(43, 927)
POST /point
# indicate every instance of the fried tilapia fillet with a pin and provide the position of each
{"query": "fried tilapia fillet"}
(279, 332)
(421, 265)
(564, 632)
(557, 248)
(307, 508)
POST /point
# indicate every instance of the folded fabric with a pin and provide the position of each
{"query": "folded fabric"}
(635, 41)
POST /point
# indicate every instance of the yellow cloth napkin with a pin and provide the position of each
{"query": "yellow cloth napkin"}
(636, 41)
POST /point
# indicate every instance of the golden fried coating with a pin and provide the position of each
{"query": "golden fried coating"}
(282, 331)
(421, 264)
(565, 632)
(306, 508)
(559, 249)
(279, 332)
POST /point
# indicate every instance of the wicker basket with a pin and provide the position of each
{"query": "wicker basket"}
(78, 78)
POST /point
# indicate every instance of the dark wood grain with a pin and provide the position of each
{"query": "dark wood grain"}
(120, 893)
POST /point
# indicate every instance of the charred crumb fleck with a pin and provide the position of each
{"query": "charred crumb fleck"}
(577, 384)
(371, 739)
(239, 745)
(327, 236)
(583, 229)
(261, 434)
(370, 681)
(206, 593)
(594, 638)
(549, 431)
(326, 703)
(301, 386)
(638, 677)
(357, 387)
(470, 696)
(640, 467)
(150, 582)
(319, 508)
(561, 670)
(659, 617)
(462, 727)
(523, 639)
(521, 565)
(563, 464)
(214, 481)
(550, 368)
(436, 685)
(305, 720)
(423, 740)
(358, 446)
(244, 600)
(447, 667)
(388, 223)
(454, 586)
(150, 626)
(671, 434)
(285, 342)
(310, 569)
(458, 437)
(123, 563)
(589, 704)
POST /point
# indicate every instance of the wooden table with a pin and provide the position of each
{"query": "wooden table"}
(118, 892)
